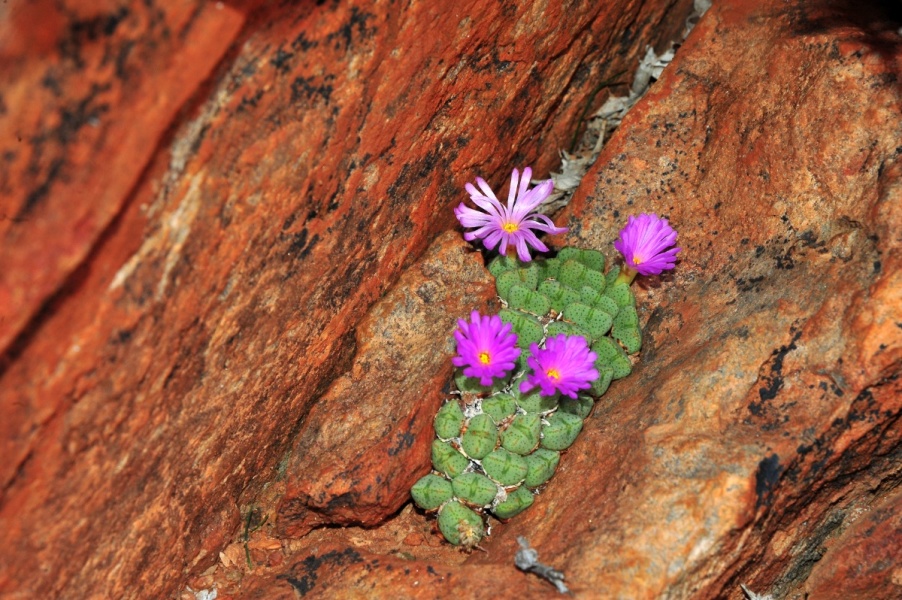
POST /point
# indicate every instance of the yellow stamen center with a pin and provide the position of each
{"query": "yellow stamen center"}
(485, 358)
(637, 260)
(510, 227)
(553, 373)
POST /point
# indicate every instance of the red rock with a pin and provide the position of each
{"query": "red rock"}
(89, 92)
(207, 260)
(765, 410)
(862, 561)
(367, 439)
(768, 374)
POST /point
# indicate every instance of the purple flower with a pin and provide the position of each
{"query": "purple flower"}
(645, 244)
(565, 365)
(512, 224)
(486, 347)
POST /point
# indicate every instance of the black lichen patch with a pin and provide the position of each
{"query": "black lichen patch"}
(303, 575)
(484, 60)
(816, 456)
(773, 378)
(766, 479)
(281, 60)
(750, 284)
(249, 102)
(785, 261)
(353, 30)
(301, 43)
(39, 192)
(82, 31)
(122, 336)
(55, 140)
(299, 246)
(403, 439)
(306, 91)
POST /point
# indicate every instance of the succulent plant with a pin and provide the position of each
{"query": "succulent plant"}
(480, 437)
(540, 466)
(431, 491)
(522, 435)
(446, 459)
(448, 420)
(500, 407)
(560, 430)
(497, 445)
(460, 525)
(575, 325)
(505, 467)
(474, 489)
(516, 502)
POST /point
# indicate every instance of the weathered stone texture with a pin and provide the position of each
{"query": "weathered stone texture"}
(204, 293)
(861, 562)
(89, 89)
(760, 431)
(367, 439)
(770, 368)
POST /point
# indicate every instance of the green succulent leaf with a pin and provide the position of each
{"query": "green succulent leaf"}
(431, 491)
(561, 430)
(504, 467)
(549, 268)
(527, 327)
(471, 385)
(446, 459)
(460, 525)
(527, 300)
(522, 435)
(533, 401)
(592, 259)
(575, 275)
(611, 354)
(559, 294)
(621, 294)
(596, 322)
(627, 317)
(605, 375)
(540, 466)
(580, 406)
(474, 489)
(557, 327)
(499, 407)
(608, 305)
(449, 419)
(480, 437)
(612, 274)
(527, 277)
(503, 262)
(630, 337)
(517, 501)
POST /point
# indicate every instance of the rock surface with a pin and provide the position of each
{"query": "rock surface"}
(188, 256)
(760, 433)
(368, 438)
(860, 562)
(768, 399)
(90, 89)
